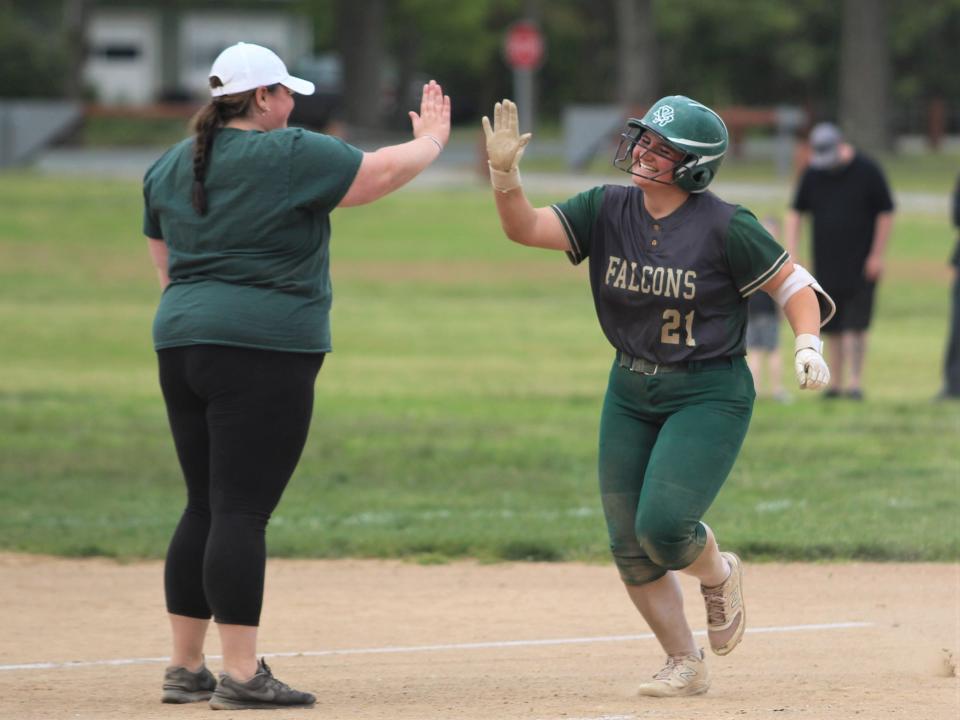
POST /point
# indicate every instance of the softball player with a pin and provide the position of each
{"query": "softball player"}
(671, 267)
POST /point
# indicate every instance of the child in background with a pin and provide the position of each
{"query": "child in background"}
(763, 336)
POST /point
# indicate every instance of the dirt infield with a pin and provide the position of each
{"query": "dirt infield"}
(394, 640)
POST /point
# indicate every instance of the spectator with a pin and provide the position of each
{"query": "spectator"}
(847, 195)
(951, 361)
(763, 336)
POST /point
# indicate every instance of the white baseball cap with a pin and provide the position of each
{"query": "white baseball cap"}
(246, 66)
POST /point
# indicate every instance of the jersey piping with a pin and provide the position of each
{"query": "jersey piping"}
(751, 287)
(574, 253)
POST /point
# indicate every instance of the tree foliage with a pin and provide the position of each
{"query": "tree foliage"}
(32, 61)
(924, 49)
(725, 52)
(749, 52)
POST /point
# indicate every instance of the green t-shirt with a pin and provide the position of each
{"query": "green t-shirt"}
(254, 271)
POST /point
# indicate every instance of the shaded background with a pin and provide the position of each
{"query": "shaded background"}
(883, 68)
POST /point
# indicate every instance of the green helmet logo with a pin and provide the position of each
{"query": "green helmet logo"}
(689, 127)
(663, 116)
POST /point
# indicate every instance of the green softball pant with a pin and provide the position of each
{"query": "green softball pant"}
(667, 444)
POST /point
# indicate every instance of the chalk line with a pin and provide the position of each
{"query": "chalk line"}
(430, 648)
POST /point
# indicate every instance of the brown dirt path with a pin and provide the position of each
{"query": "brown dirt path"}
(57, 610)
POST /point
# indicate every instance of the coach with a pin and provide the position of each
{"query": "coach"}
(237, 220)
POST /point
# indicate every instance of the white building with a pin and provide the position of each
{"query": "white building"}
(143, 53)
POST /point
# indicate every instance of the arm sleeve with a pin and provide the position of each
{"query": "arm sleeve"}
(151, 216)
(956, 205)
(754, 256)
(801, 198)
(151, 223)
(882, 199)
(955, 257)
(578, 216)
(322, 170)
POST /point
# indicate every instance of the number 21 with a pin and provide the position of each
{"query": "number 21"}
(670, 332)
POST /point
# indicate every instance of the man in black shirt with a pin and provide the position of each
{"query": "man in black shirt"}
(848, 198)
(951, 361)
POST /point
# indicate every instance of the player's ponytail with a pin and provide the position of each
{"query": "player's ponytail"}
(204, 125)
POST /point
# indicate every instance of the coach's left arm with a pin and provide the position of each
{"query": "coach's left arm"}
(160, 255)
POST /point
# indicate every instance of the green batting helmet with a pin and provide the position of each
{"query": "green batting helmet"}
(687, 126)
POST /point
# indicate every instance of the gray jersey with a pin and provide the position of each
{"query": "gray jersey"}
(671, 289)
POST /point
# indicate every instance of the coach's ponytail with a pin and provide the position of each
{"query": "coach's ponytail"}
(204, 125)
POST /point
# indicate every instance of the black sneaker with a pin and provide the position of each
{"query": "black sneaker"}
(185, 686)
(260, 692)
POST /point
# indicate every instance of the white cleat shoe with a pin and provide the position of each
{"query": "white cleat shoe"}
(726, 613)
(682, 675)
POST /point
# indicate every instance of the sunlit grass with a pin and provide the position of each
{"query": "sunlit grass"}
(458, 413)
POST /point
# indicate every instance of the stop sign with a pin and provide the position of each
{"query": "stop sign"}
(524, 45)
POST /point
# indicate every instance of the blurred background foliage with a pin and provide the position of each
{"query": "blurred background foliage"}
(726, 52)
(30, 65)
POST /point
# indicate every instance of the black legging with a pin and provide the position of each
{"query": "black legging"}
(239, 418)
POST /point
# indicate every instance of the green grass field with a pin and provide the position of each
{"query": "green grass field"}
(458, 414)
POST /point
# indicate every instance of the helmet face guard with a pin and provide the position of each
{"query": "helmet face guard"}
(688, 127)
(625, 161)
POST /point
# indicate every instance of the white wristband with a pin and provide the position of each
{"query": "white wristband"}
(805, 341)
(504, 181)
(433, 139)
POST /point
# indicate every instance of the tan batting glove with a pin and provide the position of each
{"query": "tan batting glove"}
(812, 370)
(505, 146)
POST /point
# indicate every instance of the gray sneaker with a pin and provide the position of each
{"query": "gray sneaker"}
(184, 686)
(262, 691)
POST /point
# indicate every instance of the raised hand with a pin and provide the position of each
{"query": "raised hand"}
(433, 122)
(505, 146)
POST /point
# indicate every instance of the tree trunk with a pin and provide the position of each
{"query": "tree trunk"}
(637, 55)
(360, 33)
(74, 34)
(170, 89)
(407, 56)
(865, 74)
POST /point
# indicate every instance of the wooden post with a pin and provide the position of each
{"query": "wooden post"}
(936, 122)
